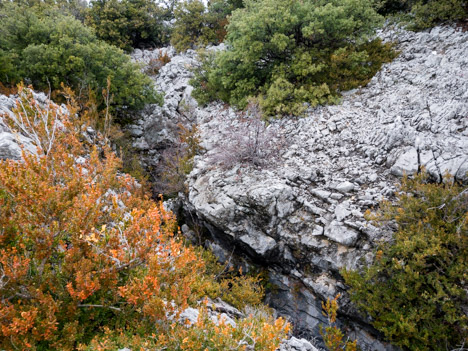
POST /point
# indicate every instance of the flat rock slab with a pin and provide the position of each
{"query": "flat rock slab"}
(341, 234)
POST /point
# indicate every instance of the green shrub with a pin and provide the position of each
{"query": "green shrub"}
(288, 53)
(426, 14)
(386, 7)
(75, 8)
(47, 49)
(128, 23)
(199, 26)
(189, 28)
(217, 17)
(416, 289)
(205, 83)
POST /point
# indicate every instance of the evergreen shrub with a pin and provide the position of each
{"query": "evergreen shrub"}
(48, 48)
(128, 24)
(197, 25)
(424, 14)
(416, 290)
(293, 54)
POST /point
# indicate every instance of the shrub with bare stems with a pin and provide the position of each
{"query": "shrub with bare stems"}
(248, 141)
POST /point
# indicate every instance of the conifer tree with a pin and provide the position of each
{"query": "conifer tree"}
(416, 289)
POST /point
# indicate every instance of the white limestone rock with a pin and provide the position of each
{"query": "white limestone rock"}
(13, 143)
(295, 344)
(407, 163)
(345, 187)
(341, 212)
(341, 234)
(258, 242)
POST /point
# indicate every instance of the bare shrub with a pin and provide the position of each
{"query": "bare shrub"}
(248, 141)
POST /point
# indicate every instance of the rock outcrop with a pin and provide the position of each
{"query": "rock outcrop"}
(12, 144)
(156, 128)
(301, 216)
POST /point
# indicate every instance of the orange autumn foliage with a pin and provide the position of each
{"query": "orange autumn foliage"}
(333, 337)
(83, 251)
(256, 332)
(79, 240)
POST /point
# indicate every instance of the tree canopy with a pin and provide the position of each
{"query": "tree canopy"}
(287, 53)
(47, 48)
(128, 24)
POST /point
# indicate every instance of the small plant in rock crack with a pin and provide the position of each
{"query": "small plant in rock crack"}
(177, 161)
(248, 141)
(155, 64)
(333, 337)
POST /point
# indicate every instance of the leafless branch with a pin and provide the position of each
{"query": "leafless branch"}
(248, 141)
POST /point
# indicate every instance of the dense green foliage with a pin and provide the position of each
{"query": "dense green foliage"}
(47, 48)
(427, 13)
(386, 7)
(128, 23)
(287, 53)
(198, 26)
(189, 28)
(75, 8)
(416, 289)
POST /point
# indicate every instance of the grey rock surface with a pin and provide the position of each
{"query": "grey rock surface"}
(302, 217)
(295, 344)
(12, 143)
(157, 126)
(145, 56)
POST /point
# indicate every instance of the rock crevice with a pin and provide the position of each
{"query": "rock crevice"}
(303, 215)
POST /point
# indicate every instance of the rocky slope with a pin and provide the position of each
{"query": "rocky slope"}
(13, 143)
(300, 214)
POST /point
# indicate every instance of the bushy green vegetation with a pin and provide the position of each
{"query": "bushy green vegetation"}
(289, 54)
(386, 7)
(426, 14)
(199, 26)
(189, 28)
(46, 48)
(128, 24)
(75, 8)
(218, 13)
(416, 289)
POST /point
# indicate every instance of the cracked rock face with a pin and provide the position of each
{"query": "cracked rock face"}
(156, 128)
(302, 216)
